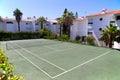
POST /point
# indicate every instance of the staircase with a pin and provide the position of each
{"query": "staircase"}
(96, 39)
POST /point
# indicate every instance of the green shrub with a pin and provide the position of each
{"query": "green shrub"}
(5, 36)
(6, 69)
(90, 40)
(63, 37)
(45, 32)
(53, 35)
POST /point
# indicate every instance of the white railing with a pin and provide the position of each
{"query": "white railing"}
(98, 42)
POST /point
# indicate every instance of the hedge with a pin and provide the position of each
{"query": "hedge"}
(4, 36)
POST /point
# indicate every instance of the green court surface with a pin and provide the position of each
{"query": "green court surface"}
(42, 59)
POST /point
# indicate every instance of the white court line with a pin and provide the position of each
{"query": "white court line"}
(82, 64)
(34, 64)
(42, 59)
(57, 49)
(60, 50)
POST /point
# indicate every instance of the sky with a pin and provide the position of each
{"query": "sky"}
(53, 9)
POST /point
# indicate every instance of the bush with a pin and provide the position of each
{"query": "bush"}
(5, 36)
(6, 69)
(63, 37)
(90, 40)
(45, 32)
(54, 35)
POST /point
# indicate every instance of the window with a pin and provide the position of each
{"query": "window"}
(100, 29)
(101, 19)
(112, 22)
(47, 24)
(90, 22)
(89, 33)
(26, 23)
(118, 18)
(9, 22)
(54, 23)
(36, 24)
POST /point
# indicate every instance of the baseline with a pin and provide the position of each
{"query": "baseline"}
(82, 64)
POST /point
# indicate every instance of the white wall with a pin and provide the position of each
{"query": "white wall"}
(79, 28)
(37, 27)
(1, 26)
(118, 23)
(73, 30)
(11, 27)
(100, 24)
(53, 27)
(82, 28)
(26, 26)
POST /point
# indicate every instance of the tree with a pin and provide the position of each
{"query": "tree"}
(118, 36)
(109, 35)
(68, 18)
(60, 21)
(68, 21)
(76, 15)
(1, 20)
(41, 20)
(112, 31)
(18, 15)
(65, 11)
(105, 37)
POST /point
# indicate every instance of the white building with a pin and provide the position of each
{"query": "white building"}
(29, 24)
(99, 21)
(11, 25)
(89, 25)
(53, 26)
(79, 28)
(92, 24)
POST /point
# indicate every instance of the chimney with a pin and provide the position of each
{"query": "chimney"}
(28, 17)
(104, 10)
(34, 17)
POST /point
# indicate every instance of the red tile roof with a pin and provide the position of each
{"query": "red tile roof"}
(13, 19)
(105, 12)
(81, 19)
(54, 21)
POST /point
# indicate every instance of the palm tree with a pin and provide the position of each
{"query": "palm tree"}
(118, 36)
(68, 18)
(105, 37)
(66, 21)
(18, 15)
(41, 20)
(1, 20)
(60, 21)
(112, 31)
(109, 34)
(76, 15)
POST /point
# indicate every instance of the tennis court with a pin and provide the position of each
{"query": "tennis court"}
(43, 59)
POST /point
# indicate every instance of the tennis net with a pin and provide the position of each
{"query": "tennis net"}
(29, 43)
